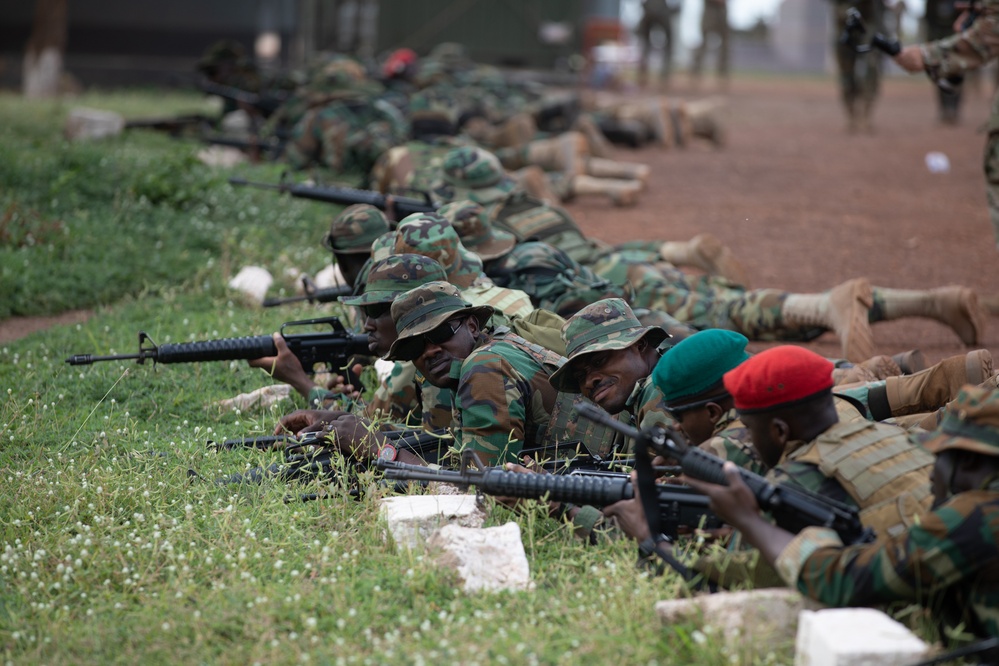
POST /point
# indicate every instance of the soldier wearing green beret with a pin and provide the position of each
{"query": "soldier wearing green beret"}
(948, 562)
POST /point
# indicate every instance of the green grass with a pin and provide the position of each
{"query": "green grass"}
(111, 552)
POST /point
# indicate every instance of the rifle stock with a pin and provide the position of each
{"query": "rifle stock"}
(331, 348)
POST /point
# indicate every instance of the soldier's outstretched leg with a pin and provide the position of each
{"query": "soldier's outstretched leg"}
(706, 252)
(955, 306)
(843, 309)
(932, 388)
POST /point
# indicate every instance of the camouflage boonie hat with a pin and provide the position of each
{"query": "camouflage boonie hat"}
(605, 325)
(423, 309)
(393, 276)
(384, 246)
(355, 229)
(970, 423)
(469, 172)
(432, 236)
(475, 230)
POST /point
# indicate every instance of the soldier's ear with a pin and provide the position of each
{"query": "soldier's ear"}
(780, 431)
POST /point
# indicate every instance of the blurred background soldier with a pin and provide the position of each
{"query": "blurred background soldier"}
(940, 17)
(656, 14)
(714, 27)
(859, 73)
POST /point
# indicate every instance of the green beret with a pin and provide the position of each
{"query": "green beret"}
(698, 362)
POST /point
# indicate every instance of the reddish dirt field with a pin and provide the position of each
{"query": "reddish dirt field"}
(805, 205)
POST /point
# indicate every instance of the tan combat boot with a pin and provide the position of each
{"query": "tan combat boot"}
(955, 306)
(566, 153)
(872, 370)
(536, 183)
(621, 192)
(518, 130)
(599, 145)
(599, 167)
(702, 117)
(910, 362)
(706, 252)
(934, 387)
(843, 309)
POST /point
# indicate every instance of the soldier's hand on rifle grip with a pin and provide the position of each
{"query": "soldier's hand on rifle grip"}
(305, 420)
(629, 514)
(734, 503)
(285, 367)
(910, 59)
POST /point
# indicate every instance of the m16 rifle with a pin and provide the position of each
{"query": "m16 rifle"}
(679, 506)
(331, 348)
(313, 294)
(396, 207)
(792, 508)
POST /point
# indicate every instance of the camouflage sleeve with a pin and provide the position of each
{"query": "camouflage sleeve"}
(398, 397)
(967, 50)
(491, 403)
(952, 543)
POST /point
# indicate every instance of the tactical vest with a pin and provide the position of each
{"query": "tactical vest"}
(566, 428)
(886, 474)
(529, 219)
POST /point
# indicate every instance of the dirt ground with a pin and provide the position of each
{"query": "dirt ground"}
(805, 205)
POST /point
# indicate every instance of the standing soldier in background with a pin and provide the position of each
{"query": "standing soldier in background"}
(859, 73)
(656, 13)
(940, 18)
(714, 21)
(947, 58)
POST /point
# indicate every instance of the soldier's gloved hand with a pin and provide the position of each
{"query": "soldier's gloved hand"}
(285, 367)
(305, 420)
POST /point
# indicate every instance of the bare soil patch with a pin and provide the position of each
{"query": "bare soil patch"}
(806, 205)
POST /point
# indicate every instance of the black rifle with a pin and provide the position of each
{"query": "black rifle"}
(331, 348)
(313, 294)
(324, 462)
(173, 125)
(264, 104)
(680, 506)
(396, 206)
(986, 650)
(792, 508)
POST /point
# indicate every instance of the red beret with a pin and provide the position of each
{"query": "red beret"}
(778, 376)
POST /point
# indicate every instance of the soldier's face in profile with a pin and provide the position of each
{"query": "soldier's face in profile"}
(608, 377)
(380, 328)
(767, 437)
(452, 341)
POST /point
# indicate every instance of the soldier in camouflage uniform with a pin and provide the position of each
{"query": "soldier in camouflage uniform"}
(948, 563)
(503, 400)
(346, 126)
(971, 49)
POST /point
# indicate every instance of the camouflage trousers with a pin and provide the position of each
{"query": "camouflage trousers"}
(992, 179)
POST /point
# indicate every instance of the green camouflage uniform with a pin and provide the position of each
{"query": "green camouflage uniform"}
(503, 402)
(345, 127)
(755, 313)
(949, 563)
(398, 397)
(971, 49)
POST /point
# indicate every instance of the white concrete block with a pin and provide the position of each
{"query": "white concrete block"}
(412, 519)
(855, 637)
(253, 281)
(224, 157)
(488, 559)
(331, 276)
(748, 621)
(83, 123)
